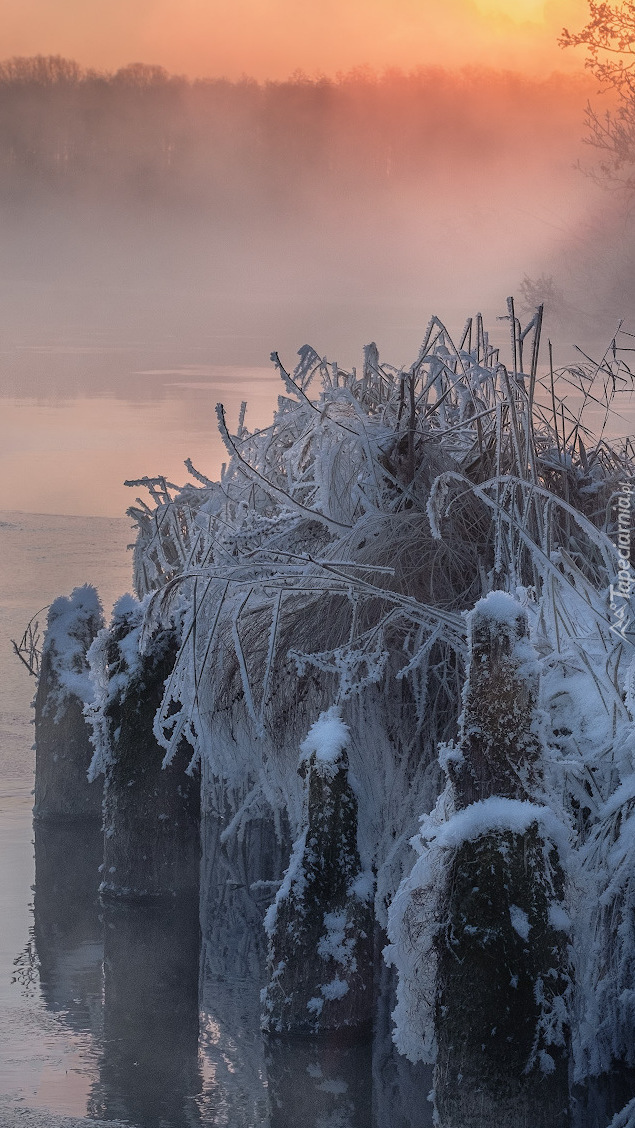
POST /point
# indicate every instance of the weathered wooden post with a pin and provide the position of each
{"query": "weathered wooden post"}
(500, 751)
(503, 972)
(320, 927)
(62, 737)
(151, 814)
(479, 929)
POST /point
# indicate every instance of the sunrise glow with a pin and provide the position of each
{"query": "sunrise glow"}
(275, 38)
(520, 11)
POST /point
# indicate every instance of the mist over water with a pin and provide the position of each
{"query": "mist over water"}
(160, 237)
(242, 217)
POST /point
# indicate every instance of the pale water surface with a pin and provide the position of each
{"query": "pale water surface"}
(77, 419)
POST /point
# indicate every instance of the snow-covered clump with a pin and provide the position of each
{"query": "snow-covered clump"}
(341, 559)
(72, 624)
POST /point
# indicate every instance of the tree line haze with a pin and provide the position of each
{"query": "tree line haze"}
(151, 136)
(252, 215)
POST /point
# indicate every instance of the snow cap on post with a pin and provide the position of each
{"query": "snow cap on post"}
(73, 621)
(325, 744)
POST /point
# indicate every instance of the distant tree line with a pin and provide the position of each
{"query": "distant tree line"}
(140, 133)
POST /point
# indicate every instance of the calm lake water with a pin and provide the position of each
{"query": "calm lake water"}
(77, 419)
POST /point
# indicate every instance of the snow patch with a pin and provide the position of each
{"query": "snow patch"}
(498, 606)
(496, 815)
(328, 738)
(336, 989)
(559, 918)
(520, 921)
(294, 877)
(72, 625)
(335, 944)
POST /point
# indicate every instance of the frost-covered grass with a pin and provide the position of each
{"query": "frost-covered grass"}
(332, 565)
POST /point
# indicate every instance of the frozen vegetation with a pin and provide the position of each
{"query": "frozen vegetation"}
(402, 642)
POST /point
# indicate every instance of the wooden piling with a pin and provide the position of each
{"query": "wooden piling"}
(503, 975)
(320, 959)
(151, 814)
(62, 737)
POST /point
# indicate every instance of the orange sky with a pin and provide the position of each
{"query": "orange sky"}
(274, 38)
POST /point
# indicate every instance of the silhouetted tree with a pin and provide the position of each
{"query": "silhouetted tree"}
(609, 37)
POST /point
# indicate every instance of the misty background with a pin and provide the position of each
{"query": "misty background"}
(160, 236)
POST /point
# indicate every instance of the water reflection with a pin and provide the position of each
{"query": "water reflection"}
(283, 1082)
(126, 975)
(234, 1089)
(141, 1052)
(67, 931)
(149, 1066)
(238, 881)
(316, 1082)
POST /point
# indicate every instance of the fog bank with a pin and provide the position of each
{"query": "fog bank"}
(241, 216)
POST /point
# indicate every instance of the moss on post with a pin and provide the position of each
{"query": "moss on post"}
(320, 960)
(62, 737)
